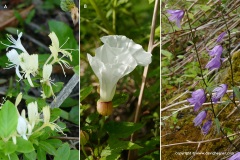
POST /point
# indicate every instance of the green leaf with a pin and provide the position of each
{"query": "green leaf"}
(47, 147)
(217, 125)
(55, 113)
(74, 154)
(30, 16)
(24, 146)
(115, 147)
(85, 92)
(47, 90)
(57, 87)
(63, 152)
(13, 156)
(76, 69)
(121, 129)
(9, 147)
(74, 115)
(31, 156)
(55, 142)
(120, 99)
(8, 119)
(236, 92)
(166, 53)
(41, 154)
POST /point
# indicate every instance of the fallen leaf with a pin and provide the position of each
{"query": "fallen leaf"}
(7, 18)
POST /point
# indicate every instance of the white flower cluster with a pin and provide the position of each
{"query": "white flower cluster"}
(29, 63)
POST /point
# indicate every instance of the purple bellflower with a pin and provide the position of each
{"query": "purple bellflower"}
(206, 127)
(198, 98)
(214, 63)
(220, 37)
(176, 16)
(236, 156)
(200, 117)
(219, 92)
(216, 51)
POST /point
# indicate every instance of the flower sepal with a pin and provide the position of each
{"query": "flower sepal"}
(104, 108)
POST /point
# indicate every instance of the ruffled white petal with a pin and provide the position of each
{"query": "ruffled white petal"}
(116, 58)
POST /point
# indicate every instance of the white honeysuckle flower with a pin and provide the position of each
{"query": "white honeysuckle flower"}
(15, 59)
(16, 43)
(47, 71)
(33, 115)
(55, 45)
(18, 99)
(29, 65)
(55, 49)
(22, 127)
(46, 114)
(46, 120)
(116, 58)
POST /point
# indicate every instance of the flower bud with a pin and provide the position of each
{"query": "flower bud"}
(83, 137)
(104, 108)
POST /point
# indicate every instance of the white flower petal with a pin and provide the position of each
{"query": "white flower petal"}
(116, 58)
(22, 127)
(33, 115)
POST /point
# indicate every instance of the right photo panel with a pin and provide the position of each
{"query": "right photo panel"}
(200, 79)
(120, 79)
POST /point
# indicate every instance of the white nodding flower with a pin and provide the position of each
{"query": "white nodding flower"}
(116, 58)
(33, 115)
(29, 65)
(15, 59)
(55, 49)
(55, 44)
(22, 127)
(15, 43)
(46, 114)
(47, 71)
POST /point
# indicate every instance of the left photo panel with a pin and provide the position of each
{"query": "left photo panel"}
(39, 80)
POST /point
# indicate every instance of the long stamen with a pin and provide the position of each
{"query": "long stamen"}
(64, 42)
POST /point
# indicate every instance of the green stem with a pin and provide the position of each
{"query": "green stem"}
(101, 15)
(114, 15)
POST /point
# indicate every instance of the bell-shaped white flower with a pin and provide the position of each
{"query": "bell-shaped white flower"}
(29, 65)
(22, 127)
(116, 58)
(14, 58)
(33, 115)
(16, 43)
(55, 49)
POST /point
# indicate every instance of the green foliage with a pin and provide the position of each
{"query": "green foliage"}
(8, 120)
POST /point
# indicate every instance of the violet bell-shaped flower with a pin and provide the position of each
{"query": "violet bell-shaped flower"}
(197, 99)
(220, 37)
(216, 51)
(116, 58)
(236, 156)
(219, 92)
(206, 127)
(200, 117)
(176, 16)
(214, 63)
